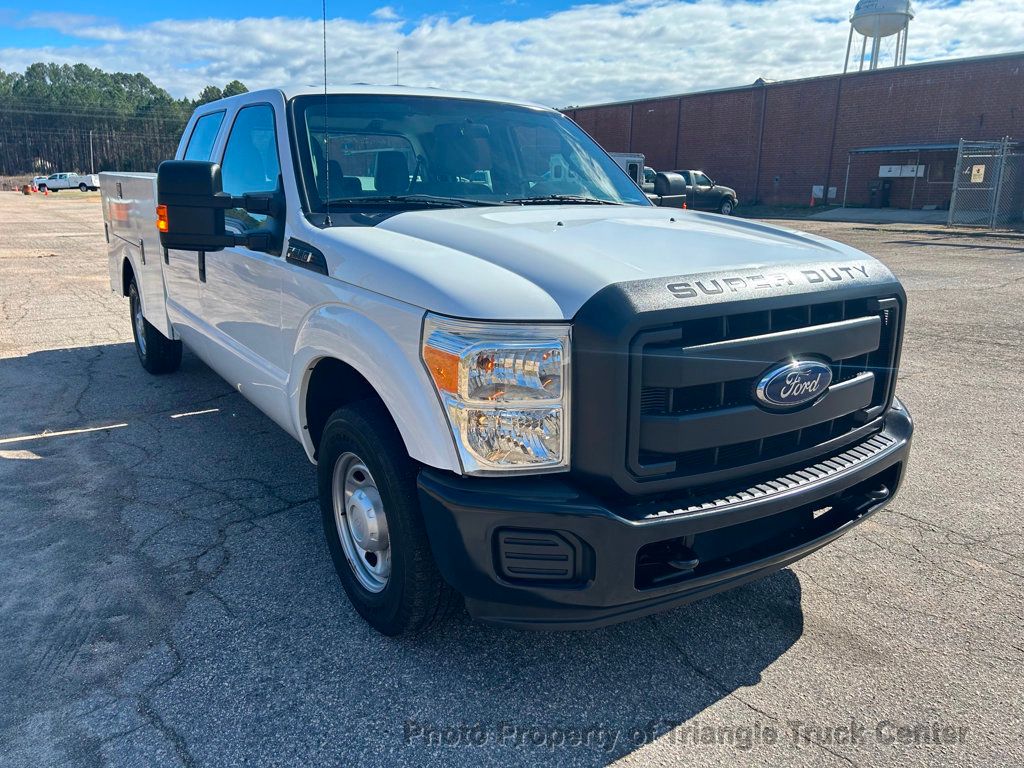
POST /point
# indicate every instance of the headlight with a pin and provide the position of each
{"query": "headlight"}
(504, 388)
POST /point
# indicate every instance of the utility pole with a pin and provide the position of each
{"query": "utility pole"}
(397, 69)
(92, 161)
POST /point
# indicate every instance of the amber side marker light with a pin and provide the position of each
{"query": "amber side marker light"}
(161, 218)
(443, 367)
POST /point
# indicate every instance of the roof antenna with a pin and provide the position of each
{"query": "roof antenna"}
(327, 135)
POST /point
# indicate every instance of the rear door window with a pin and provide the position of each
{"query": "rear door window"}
(204, 134)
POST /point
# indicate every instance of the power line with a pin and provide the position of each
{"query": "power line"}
(96, 115)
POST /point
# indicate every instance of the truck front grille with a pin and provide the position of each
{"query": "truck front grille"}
(692, 387)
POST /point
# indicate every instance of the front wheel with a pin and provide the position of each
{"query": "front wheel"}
(157, 353)
(373, 524)
(726, 207)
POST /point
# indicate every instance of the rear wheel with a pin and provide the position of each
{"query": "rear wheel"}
(726, 207)
(373, 524)
(42, 187)
(157, 353)
(83, 187)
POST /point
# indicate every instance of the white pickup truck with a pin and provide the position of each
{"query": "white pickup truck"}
(523, 385)
(57, 181)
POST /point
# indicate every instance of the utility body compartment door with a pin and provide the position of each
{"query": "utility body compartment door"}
(129, 218)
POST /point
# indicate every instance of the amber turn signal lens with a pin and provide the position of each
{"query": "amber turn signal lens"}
(161, 218)
(443, 367)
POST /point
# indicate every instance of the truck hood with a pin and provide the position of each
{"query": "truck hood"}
(544, 262)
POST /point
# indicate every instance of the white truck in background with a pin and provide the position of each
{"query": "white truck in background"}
(633, 163)
(55, 182)
(524, 386)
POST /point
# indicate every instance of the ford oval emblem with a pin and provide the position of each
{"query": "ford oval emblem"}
(794, 383)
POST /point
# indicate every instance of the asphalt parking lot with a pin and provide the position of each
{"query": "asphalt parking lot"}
(167, 596)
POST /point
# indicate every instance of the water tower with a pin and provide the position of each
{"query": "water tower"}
(874, 20)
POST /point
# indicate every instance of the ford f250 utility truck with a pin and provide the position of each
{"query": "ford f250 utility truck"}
(523, 385)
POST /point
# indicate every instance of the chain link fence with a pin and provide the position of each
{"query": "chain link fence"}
(988, 185)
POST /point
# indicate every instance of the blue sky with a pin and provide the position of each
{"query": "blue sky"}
(552, 51)
(14, 15)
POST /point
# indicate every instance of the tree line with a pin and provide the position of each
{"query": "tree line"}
(72, 117)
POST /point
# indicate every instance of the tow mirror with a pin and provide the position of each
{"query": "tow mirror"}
(191, 204)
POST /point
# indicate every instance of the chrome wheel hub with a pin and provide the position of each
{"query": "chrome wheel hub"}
(361, 523)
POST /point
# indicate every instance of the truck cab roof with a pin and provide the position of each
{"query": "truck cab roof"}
(363, 89)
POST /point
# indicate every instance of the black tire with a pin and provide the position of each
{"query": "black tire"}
(83, 187)
(42, 188)
(156, 352)
(727, 206)
(415, 597)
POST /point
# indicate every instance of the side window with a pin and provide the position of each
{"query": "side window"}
(250, 162)
(200, 143)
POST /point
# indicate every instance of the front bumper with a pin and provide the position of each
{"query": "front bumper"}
(546, 554)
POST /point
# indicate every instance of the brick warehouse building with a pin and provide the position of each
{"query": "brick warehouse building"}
(774, 141)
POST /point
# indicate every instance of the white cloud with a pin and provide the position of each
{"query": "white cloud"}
(386, 13)
(587, 54)
(80, 25)
(62, 22)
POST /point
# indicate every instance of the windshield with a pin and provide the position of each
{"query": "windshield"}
(377, 148)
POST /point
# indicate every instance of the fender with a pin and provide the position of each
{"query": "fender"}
(149, 278)
(394, 371)
(127, 253)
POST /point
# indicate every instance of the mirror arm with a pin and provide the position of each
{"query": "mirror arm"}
(269, 203)
(256, 241)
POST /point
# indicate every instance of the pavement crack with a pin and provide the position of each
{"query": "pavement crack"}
(152, 717)
(727, 692)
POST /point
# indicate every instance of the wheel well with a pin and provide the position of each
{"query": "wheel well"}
(332, 385)
(127, 274)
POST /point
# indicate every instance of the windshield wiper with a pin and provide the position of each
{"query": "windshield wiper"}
(426, 200)
(556, 199)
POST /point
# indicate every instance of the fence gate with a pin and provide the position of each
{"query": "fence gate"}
(988, 185)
